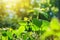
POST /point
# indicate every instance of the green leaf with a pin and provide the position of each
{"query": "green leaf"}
(37, 22)
(35, 28)
(22, 22)
(9, 34)
(46, 15)
(45, 25)
(21, 30)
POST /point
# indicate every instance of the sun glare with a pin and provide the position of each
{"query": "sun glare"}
(10, 3)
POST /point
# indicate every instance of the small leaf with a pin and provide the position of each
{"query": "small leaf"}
(20, 30)
(22, 22)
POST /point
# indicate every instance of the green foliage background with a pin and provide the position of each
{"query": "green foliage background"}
(30, 20)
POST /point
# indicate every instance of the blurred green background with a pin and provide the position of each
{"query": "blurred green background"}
(29, 19)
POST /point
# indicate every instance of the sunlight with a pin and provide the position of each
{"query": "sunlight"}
(9, 7)
(9, 0)
(10, 3)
